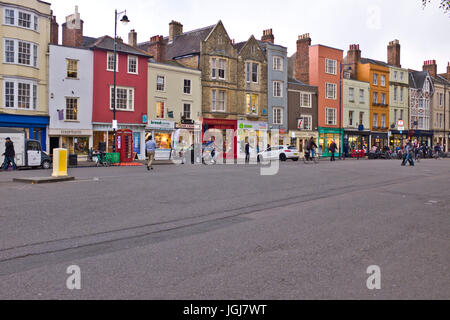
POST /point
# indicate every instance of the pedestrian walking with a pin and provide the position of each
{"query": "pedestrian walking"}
(409, 154)
(333, 148)
(9, 155)
(247, 152)
(150, 147)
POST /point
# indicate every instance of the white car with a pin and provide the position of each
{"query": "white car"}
(282, 153)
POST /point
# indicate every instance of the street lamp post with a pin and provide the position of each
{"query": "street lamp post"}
(125, 21)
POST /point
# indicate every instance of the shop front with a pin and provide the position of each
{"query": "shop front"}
(161, 131)
(380, 140)
(326, 137)
(223, 125)
(194, 130)
(253, 132)
(35, 127)
(300, 139)
(440, 138)
(423, 137)
(75, 141)
(397, 139)
(103, 138)
(355, 141)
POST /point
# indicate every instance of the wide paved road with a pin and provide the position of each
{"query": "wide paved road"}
(226, 232)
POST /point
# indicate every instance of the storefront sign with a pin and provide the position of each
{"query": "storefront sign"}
(190, 127)
(300, 124)
(161, 125)
(69, 132)
(250, 125)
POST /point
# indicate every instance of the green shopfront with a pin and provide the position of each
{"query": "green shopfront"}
(326, 137)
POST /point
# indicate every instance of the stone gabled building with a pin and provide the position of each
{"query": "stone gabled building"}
(227, 96)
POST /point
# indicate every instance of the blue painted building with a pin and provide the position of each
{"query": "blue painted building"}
(277, 64)
(35, 127)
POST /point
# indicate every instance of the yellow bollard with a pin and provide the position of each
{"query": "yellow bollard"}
(59, 163)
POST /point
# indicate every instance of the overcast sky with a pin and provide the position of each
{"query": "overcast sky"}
(423, 33)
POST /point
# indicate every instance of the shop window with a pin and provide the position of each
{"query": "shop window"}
(163, 140)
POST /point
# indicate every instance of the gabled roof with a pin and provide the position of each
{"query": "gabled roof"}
(187, 43)
(417, 79)
(107, 43)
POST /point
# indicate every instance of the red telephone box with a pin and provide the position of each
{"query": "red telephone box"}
(124, 145)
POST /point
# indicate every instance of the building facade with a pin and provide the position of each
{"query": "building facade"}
(377, 73)
(131, 92)
(321, 66)
(174, 102)
(234, 76)
(25, 37)
(421, 91)
(70, 91)
(439, 108)
(398, 96)
(277, 90)
(303, 113)
(356, 115)
(70, 99)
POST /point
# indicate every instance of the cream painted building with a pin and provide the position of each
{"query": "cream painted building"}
(398, 105)
(25, 37)
(174, 101)
(440, 115)
(356, 114)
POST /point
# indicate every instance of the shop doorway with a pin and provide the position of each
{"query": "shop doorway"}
(54, 143)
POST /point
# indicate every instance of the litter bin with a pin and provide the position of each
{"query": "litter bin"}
(113, 157)
(73, 160)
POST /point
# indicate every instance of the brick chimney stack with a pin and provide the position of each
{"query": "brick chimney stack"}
(268, 36)
(393, 54)
(353, 58)
(175, 29)
(54, 30)
(302, 59)
(132, 38)
(157, 48)
(431, 67)
(73, 30)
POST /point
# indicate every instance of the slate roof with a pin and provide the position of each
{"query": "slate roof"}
(417, 79)
(238, 46)
(442, 80)
(185, 44)
(300, 83)
(372, 61)
(107, 43)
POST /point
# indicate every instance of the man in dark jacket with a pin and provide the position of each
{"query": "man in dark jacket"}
(333, 148)
(247, 152)
(9, 155)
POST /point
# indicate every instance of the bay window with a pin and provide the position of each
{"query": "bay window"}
(20, 52)
(20, 94)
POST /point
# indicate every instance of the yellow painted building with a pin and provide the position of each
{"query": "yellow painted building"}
(398, 105)
(25, 37)
(377, 74)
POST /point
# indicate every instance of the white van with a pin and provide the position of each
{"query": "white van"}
(28, 152)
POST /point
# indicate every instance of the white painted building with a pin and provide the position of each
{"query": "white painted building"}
(70, 99)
